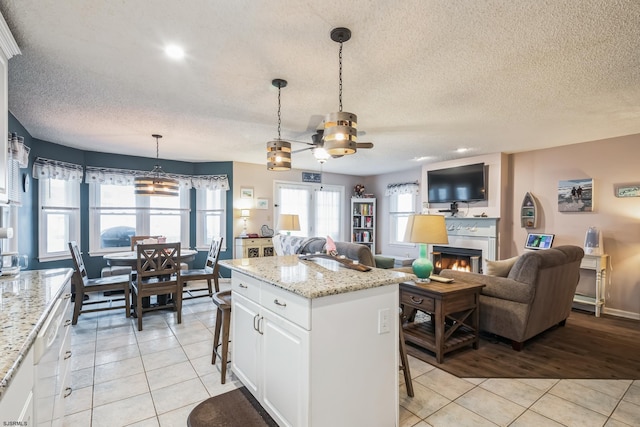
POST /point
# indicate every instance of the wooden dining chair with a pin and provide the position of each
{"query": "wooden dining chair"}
(83, 285)
(211, 271)
(137, 239)
(158, 273)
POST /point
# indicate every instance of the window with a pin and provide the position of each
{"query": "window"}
(59, 219)
(319, 207)
(117, 213)
(210, 217)
(401, 206)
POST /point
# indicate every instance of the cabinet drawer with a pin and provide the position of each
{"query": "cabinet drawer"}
(246, 286)
(417, 301)
(589, 263)
(290, 306)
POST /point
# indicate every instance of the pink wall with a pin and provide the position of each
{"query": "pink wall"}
(609, 162)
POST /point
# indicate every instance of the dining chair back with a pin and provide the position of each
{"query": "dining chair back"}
(137, 239)
(84, 285)
(211, 271)
(158, 274)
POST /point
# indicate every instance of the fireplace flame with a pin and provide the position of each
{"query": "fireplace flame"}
(461, 265)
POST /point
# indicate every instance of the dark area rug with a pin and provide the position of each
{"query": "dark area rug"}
(237, 408)
(587, 347)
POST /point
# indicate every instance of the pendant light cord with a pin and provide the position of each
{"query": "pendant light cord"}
(157, 149)
(340, 76)
(279, 116)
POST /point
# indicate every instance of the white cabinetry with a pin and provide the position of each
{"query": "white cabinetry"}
(271, 354)
(8, 48)
(317, 362)
(17, 401)
(254, 247)
(52, 361)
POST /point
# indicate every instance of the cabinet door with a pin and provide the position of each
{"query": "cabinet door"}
(285, 354)
(245, 342)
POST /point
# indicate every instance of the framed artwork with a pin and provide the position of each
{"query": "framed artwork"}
(246, 193)
(628, 190)
(311, 177)
(262, 204)
(575, 195)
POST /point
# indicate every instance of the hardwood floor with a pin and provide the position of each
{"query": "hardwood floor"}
(586, 347)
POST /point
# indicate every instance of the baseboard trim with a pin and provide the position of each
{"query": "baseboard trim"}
(621, 313)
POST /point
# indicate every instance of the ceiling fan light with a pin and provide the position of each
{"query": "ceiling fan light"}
(340, 133)
(278, 155)
(321, 154)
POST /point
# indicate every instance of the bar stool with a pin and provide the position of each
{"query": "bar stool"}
(222, 300)
(404, 366)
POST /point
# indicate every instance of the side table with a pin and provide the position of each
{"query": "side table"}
(454, 311)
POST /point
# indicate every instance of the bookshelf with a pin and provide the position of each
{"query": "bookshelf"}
(363, 221)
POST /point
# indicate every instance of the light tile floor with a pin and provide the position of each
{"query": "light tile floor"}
(155, 377)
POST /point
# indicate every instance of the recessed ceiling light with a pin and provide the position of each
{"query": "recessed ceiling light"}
(462, 150)
(174, 51)
(421, 158)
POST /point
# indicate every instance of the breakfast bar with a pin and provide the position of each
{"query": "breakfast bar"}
(316, 343)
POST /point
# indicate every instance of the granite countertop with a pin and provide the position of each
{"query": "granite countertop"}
(25, 301)
(313, 278)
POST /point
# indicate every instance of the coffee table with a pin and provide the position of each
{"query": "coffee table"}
(453, 309)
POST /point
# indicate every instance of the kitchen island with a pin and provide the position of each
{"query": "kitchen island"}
(316, 343)
(31, 309)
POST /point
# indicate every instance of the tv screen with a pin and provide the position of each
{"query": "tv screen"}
(459, 184)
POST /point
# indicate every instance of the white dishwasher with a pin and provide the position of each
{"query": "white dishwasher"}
(52, 353)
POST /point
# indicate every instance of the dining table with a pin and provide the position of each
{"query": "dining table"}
(129, 258)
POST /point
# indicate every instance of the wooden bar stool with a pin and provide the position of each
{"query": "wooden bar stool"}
(222, 300)
(404, 361)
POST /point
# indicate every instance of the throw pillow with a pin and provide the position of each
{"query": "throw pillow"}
(501, 268)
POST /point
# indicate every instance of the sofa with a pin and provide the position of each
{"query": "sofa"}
(291, 245)
(535, 293)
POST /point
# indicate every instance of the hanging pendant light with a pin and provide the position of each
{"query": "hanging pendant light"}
(340, 129)
(279, 151)
(156, 183)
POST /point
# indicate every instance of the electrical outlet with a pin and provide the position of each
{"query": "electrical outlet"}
(383, 321)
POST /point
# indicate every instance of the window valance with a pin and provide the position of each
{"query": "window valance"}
(402, 188)
(55, 169)
(97, 175)
(210, 182)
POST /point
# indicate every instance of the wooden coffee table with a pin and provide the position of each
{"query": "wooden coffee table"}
(453, 309)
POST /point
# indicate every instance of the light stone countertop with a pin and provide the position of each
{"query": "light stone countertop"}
(25, 302)
(313, 278)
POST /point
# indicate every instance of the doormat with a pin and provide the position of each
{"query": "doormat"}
(236, 408)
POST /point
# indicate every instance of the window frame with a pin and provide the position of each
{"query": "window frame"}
(142, 212)
(311, 207)
(202, 212)
(395, 214)
(72, 190)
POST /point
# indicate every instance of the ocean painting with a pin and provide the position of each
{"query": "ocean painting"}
(575, 195)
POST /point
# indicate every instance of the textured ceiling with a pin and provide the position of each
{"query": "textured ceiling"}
(424, 77)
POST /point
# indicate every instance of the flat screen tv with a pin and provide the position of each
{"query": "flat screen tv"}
(458, 184)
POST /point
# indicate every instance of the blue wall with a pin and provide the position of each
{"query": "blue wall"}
(28, 212)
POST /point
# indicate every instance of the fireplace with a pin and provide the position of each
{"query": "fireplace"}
(461, 259)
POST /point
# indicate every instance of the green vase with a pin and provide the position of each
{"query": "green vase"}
(422, 266)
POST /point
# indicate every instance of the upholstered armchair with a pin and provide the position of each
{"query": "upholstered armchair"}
(535, 294)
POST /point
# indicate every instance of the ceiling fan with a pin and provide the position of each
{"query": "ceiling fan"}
(317, 146)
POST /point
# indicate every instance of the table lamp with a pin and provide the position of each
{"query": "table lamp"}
(244, 214)
(289, 223)
(425, 229)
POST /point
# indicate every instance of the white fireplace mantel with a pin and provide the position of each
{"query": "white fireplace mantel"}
(474, 233)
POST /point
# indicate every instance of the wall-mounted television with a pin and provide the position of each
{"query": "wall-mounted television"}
(457, 184)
